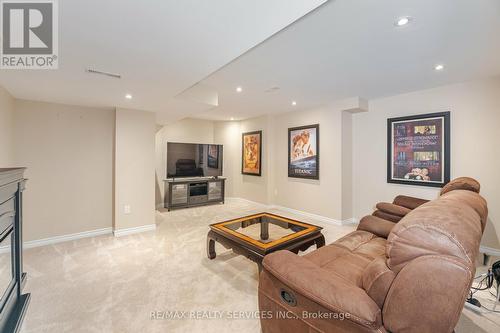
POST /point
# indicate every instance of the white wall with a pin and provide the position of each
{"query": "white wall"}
(229, 135)
(68, 152)
(475, 144)
(134, 168)
(6, 128)
(253, 188)
(321, 197)
(188, 131)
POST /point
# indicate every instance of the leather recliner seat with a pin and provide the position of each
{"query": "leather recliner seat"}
(410, 276)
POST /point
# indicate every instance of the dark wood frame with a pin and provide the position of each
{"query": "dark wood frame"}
(243, 155)
(254, 252)
(316, 126)
(446, 153)
(216, 159)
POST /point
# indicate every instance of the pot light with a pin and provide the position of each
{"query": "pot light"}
(402, 21)
(232, 118)
(439, 67)
(239, 89)
(128, 96)
(294, 103)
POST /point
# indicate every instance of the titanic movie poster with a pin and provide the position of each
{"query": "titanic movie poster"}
(303, 152)
(419, 149)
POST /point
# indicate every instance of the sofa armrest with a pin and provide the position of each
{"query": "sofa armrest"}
(376, 225)
(409, 202)
(393, 209)
(386, 216)
(330, 291)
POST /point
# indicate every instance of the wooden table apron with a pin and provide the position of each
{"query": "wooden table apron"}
(256, 254)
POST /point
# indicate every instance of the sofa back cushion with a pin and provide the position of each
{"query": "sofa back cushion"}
(377, 279)
(462, 183)
(450, 225)
(431, 252)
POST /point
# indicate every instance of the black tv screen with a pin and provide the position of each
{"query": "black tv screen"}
(193, 160)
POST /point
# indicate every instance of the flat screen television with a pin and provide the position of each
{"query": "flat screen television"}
(193, 160)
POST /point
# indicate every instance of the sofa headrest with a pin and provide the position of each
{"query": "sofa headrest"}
(451, 225)
(462, 183)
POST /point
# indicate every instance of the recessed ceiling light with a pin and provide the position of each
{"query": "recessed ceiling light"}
(439, 67)
(402, 21)
(239, 89)
(128, 96)
(232, 118)
(294, 103)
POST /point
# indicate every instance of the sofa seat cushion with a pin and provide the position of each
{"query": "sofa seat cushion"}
(350, 255)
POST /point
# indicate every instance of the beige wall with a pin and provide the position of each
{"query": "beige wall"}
(347, 174)
(188, 131)
(68, 151)
(475, 144)
(230, 135)
(324, 196)
(134, 168)
(6, 128)
(321, 197)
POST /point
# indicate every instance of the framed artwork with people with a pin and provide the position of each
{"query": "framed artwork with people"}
(251, 153)
(303, 152)
(418, 149)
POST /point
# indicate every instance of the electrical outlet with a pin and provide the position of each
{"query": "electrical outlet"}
(126, 209)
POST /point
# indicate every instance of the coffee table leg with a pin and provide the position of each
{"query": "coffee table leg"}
(210, 247)
(320, 241)
(264, 230)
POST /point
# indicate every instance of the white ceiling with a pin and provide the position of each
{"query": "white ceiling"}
(159, 47)
(349, 48)
(343, 49)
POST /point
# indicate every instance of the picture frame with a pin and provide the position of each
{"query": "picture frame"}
(418, 149)
(251, 153)
(303, 152)
(213, 156)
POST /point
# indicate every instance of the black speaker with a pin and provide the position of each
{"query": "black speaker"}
(495, 269)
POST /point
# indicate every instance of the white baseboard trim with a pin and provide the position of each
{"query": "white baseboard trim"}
(352, 220)
(247, 200)
(297, 212)
(306, 214)
(60, 239)
(134, 230)
(489, 251)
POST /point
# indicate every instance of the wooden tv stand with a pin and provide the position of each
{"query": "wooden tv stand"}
(194, 191)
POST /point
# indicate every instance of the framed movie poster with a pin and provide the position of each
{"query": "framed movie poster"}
(251, 153)
(303, 152)
(213, 156)
(418, 149)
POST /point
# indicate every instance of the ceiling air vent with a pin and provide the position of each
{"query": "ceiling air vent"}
(272, 89)
(95, 71)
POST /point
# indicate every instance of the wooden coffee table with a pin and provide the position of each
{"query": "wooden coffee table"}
(256, 235)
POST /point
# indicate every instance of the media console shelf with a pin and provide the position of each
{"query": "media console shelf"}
(196, 191)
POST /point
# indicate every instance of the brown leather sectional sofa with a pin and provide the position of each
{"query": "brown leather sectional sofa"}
(409, 276)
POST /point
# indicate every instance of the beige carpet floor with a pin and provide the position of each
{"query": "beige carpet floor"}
(109, 284)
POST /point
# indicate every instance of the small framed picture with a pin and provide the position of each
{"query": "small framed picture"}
(213, 156)
(418, 149)
(251, 153)
(303, 152)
